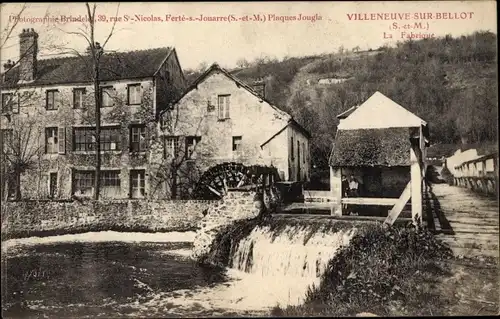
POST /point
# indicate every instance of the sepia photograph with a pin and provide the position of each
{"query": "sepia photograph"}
(249, 159)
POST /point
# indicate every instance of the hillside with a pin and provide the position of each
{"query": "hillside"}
(449, 82)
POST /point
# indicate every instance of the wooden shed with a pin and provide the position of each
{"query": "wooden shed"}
(382, 146)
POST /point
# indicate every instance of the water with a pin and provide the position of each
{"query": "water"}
(89, 279)
(288, 263)
(85, 277)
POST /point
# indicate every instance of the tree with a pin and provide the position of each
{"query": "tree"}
(242, 63)
(202, 67)
(176, 168)
(18, 153)
(95, 51)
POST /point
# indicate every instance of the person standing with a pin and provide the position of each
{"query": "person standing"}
(353, 187)
(353, 192)
(345, 186)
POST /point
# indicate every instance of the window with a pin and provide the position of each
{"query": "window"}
(6, 141)
(52, 185)
(110, 139)
(171, 146)
(110, 183)
(78, 98)
(83, 183)
(134, 94)
(51, 99)
(7, 101)
(84, 138)
(191, 143)
(298, 152)
(11, 185)
(51, 141)
(303, 152)
(223, 101)
(137, 138)
(106, 96)
(137, 183)
(236, 143)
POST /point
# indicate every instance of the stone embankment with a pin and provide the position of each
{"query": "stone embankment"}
(236, 205)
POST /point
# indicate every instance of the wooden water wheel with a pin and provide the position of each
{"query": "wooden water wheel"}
(217, 180)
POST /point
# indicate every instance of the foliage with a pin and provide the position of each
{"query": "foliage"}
(384, 271)
(449, 82)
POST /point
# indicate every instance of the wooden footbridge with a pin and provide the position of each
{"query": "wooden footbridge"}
(466, 220)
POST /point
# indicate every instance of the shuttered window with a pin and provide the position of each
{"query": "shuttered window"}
(51, 140)
(78, 98)
(51, 99)
(224, 106)
(134, 94)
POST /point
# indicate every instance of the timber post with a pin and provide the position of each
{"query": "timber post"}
(416, 187)
(336, 191)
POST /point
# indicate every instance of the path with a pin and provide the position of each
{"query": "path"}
(468, 222)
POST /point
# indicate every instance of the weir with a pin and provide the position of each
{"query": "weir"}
(280, 265)
(274, 260)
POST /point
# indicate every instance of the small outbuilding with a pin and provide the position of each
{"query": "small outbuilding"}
(380, 149)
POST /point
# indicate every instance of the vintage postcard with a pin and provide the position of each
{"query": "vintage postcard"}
(236, 159)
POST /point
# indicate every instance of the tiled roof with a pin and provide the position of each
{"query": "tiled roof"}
(114, 66)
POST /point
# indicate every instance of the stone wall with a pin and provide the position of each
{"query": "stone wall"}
(236, 205)
(35, 218)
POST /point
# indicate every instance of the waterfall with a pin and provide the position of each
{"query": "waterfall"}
(282, 265)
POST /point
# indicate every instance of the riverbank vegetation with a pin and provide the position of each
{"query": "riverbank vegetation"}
(398, 272)
(451, 82)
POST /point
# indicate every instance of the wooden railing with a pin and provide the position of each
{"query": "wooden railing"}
(480, 174)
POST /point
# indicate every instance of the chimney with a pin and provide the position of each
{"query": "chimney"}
(28, 49)
(260, 88)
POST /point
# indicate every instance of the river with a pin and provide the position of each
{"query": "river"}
(110, 274)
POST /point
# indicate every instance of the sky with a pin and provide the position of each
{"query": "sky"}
(328, 26)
